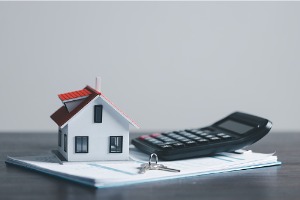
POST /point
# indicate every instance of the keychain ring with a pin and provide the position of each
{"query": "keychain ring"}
(151, 156)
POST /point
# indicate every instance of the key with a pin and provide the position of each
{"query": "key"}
(163, 167)
(144, 167)
(147, 166)
(154, 166)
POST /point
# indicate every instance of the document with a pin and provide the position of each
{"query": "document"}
(117, 173)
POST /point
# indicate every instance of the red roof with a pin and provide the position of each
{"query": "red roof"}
(62, 116)
(74, 95)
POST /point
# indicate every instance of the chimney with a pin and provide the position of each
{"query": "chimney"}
(98, 84)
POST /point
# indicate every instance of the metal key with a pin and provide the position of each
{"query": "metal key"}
(154, 166)
(164, 168)
(148, 166)
(144, 167)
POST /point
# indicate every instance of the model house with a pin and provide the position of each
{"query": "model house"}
(91, 127)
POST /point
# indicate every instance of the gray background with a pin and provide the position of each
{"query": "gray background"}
(168, 65)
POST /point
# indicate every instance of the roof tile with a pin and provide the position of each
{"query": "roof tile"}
(74, 94)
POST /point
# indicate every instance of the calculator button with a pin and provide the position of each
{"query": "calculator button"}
(170, 134)
(177, 137)
(154, 141)
(163, 138)
(143, 137)
(215, 138)
(178, 145)
(199, 132)
(184, 133)
(157, 143)
(165, 147)
(196, 138)
(221, 134)
(190, 143)
(169, 141)
(201, 141)
(151, 139)
(190, 136)
(184, 140)
(155, 135)
(227, 137)
(209, 136)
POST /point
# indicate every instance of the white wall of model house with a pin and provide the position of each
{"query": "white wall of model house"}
(82, 124)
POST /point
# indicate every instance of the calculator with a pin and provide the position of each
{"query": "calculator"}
(231, 133)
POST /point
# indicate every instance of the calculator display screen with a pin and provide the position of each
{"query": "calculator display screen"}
(235, 126)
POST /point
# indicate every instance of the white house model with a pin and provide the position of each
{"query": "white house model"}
(91, 127)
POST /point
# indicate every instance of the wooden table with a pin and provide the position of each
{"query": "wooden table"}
(280, 182)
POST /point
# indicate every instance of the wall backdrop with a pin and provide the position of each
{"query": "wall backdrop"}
(168, 65)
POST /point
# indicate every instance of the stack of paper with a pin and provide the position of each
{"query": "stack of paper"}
(117, 173)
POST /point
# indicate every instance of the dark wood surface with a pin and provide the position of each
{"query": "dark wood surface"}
(280, 182)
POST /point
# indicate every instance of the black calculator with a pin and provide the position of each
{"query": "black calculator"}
(231, 133)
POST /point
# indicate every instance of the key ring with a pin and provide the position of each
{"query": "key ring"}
(156, 158)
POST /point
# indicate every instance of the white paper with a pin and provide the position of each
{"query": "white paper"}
(116, 173)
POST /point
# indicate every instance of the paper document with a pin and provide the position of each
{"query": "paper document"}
(116, 173)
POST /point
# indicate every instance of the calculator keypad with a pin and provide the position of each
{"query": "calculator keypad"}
(185, 138)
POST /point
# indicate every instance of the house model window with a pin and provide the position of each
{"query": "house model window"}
(98, 113)
(116, 144)
(59, 137)
(65, 142)
(81, 144)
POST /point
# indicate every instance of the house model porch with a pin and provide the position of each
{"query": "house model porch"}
(91, 127)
